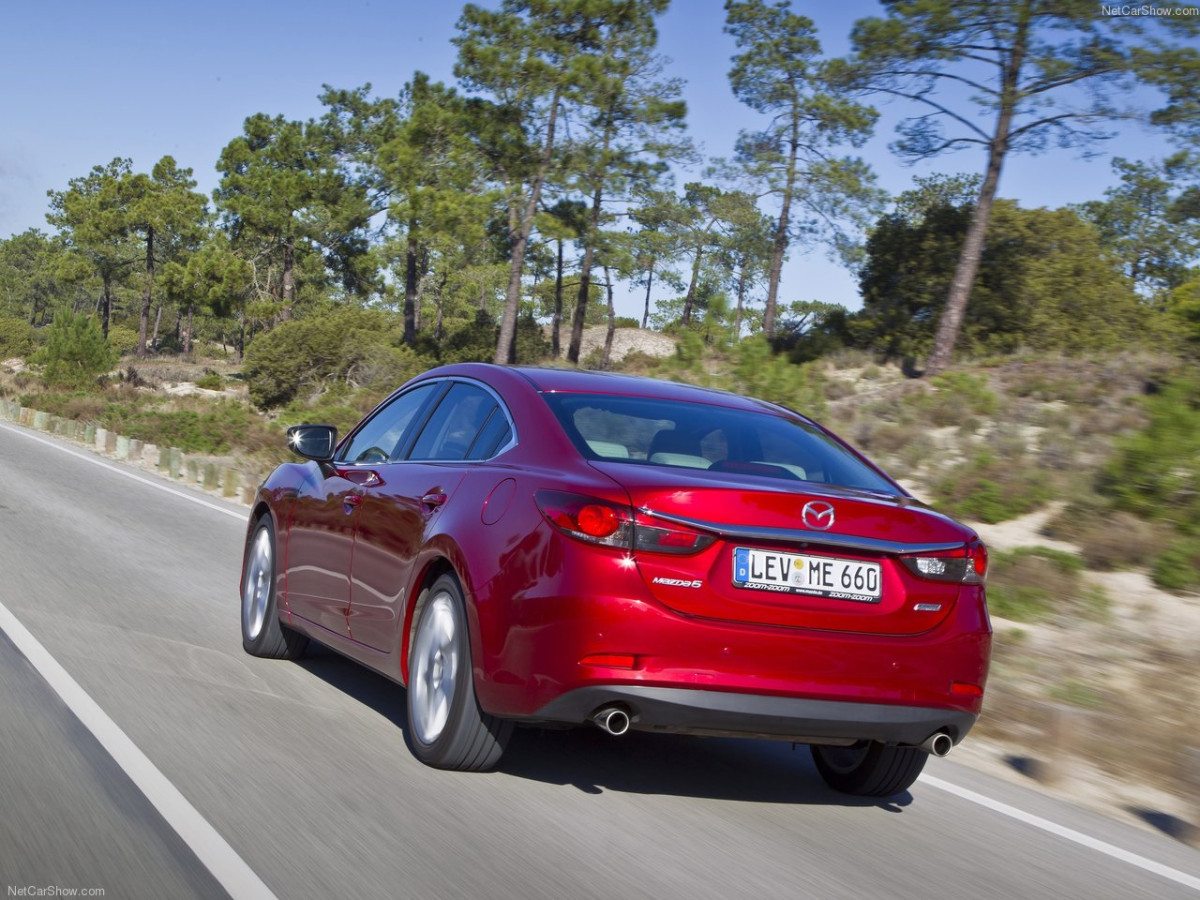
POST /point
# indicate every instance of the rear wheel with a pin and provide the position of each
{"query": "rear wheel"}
(869, 768)
(262, 633)
(446, 727)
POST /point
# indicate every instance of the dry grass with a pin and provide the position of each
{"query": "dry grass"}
(1134, 706)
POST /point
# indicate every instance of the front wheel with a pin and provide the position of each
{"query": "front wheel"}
(446, 727)
(869, 768)
(262, 633)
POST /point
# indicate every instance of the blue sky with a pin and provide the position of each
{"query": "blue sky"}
(84, 82)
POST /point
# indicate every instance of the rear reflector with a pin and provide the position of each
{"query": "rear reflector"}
(610, 660)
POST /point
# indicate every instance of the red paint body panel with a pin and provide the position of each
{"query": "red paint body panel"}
(540, 601)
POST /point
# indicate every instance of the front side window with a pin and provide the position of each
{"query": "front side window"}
(382, 437)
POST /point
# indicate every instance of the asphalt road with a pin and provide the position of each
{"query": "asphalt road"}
(252, 777)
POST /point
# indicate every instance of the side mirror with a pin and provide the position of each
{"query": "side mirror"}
(315, 442)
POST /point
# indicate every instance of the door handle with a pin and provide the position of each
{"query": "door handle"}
(362, 477)
(433, 500)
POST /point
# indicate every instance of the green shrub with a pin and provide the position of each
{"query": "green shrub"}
(690, 348)
(76, 353)
(1178, 568)
(16, 338)
(773, 377)
(1020, 603)
(472, 342)
(348, 344)
(992, 488)
(1030, 583)
(885, 437)
(214, 429)
(210, 381)
(1183, 307)
(1062, 561)
(956, 397)
(80, 405)
(122, 339)
(1077, 692)
(1155, 472)
(532, 346)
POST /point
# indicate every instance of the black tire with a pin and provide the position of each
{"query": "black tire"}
(262, 632)
(446, 727)
(869, 768)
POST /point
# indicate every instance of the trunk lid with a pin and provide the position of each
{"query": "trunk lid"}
(804, 555)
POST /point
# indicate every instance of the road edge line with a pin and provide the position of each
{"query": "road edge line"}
(213, 851)
(1070, 834)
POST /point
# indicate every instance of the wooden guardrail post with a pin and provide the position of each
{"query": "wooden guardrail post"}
(1190, 780)
(1053, 763)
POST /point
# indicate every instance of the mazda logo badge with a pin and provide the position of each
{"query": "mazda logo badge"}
(817, 515)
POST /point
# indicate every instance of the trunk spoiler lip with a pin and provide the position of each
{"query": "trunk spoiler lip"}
(803, 536)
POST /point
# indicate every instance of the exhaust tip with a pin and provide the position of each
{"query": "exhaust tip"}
(612, 719)
(938, 745)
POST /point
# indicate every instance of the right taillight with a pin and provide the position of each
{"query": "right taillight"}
(610, 524)
(965, 566)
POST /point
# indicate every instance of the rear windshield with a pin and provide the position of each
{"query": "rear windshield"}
(697, 436)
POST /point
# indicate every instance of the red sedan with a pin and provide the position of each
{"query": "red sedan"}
(537, 546)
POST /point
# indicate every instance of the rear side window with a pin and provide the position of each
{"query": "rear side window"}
(496, 432)
(452, 431)
(705, 438)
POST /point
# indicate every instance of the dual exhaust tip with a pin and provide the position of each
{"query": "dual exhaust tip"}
(616, 721)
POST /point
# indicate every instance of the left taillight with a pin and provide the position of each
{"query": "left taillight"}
(965, 566)
(611, 524)
(588, 518)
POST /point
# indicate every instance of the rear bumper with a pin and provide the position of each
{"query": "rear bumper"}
(690, 711)
(586, 632)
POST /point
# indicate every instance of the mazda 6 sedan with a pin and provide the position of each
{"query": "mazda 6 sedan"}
(528, 546)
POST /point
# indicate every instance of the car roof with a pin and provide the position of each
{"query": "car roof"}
(579, 381)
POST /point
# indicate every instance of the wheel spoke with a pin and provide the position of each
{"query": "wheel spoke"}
(256, 592)
(436, 668)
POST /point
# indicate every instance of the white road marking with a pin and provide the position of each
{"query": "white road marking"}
(118, 470)
(213, 851)
(1061, 831)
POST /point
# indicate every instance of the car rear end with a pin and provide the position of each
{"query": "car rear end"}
(744, 572)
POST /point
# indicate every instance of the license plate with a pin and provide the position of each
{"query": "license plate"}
(820, 576)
